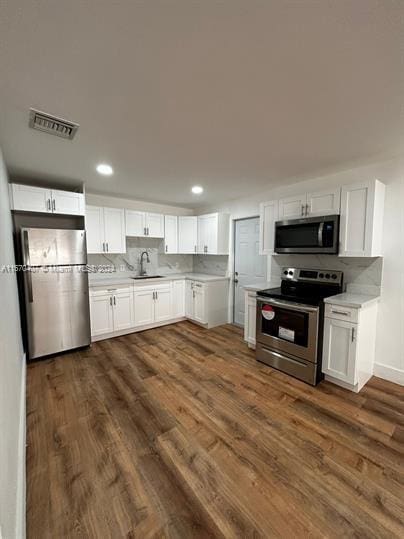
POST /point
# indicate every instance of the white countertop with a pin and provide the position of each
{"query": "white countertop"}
(261, 286)
(348, 299)
(111, 279)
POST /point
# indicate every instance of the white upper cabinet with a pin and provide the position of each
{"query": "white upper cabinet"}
(105, 230)
(37, 199)
(213, 234)
(187, 234)
(143, 224)
(268, 216)
(170, 234)
(361, 226)
(325, 202)
(292, 207)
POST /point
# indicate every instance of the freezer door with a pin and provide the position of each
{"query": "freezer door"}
(58, 315)
(53, 247)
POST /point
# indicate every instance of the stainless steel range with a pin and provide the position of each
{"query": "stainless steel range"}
(290, 321)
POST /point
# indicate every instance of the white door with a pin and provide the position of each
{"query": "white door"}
(114, 226)
(67, 202)
(144, 307)
(155, 225)
(178, 299)
(171, 234)
(268, 216)
(356, 222)
(292, 207)
(135, 223)
(339, 350)
(162, 304)
(123, 309)
(101, 314)
(27, 198)
(199, 303)
(187, 234)
(249, 265)
(95, 229)
(189, 299)
(325, 202)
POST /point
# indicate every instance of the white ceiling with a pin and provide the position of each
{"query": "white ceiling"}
(231, 95)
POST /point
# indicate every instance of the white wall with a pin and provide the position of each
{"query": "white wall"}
(115, 202)
(390, 328)
(12, 384)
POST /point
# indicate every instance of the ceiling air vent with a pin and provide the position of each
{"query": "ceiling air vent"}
(52, 124)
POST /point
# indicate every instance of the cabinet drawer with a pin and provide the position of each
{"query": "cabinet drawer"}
(338, 312)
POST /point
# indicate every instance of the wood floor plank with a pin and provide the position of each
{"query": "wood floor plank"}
(177, 432)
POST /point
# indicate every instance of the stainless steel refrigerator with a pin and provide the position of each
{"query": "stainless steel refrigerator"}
(55, 290)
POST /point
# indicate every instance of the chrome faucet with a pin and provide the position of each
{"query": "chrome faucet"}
(142, 270)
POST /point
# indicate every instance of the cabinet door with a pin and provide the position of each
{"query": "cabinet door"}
(356, 220)
(207, 234)
(67, 202)
(123, 309)
(171, 234)
(135, 223)
(187, 234)
(178, 299)
(269, 212)
(339, 350)
(101, 314)
(189, 299)
(162, 305)
(250, 318)
(325, 202)
(27, 198)
(292, 207)
(95, 229)
(155, 225)
(114, 226)
(144, 307)
(199, 304)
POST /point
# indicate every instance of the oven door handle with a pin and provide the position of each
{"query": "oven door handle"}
(288, 305)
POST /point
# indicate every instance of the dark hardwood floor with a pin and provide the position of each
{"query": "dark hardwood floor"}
(178, 432)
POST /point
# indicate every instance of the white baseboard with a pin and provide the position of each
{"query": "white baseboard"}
(389, 373)
(20, 525)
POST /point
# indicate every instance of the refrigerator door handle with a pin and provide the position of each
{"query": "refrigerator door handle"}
(27, 262)
(29, 287)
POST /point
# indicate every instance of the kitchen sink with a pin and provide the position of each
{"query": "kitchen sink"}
(142, 277)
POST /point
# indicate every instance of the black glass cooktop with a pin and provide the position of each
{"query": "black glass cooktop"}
(310, 295)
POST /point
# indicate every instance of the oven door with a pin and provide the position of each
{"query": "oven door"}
(310, 235)
(288, 327)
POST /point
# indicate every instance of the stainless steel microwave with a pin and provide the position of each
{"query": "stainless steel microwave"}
(308, 235)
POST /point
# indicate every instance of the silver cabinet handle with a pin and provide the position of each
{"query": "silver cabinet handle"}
(307, 209)
(48, 204)
(114, 300)
(353, 335)
(107, 247)
(103, 246)
(144, 231)
(157, 296)
(340, 312)
(195, 248)
(207, 249)
(166, 247)
(54, 204)
(302, 210)
(110, 300)
(154, 295)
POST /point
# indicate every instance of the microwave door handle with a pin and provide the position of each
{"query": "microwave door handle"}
(320, 234)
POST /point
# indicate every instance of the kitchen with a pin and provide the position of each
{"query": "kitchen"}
(187, 352)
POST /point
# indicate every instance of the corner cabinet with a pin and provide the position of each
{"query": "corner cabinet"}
(361, 225)
(349, 344)
(38, 199)
(207, 303)
(105, 229)
(213, 234)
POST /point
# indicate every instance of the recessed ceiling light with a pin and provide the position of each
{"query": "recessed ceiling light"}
(197, 189)
(104, 169)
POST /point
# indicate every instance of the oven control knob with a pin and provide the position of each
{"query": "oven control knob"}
(334, 276)
(321, 275)
(291, 273)
(285, 272)
(327, 275)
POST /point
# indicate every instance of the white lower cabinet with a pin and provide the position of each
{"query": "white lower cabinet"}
(111, 310)
(195, 302)
(152, 304)
(144, 307)
(349, 344)
(178, 299)
(250, 318)
(206, 303)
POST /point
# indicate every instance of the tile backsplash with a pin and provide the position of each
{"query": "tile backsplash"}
(160, 263)
(361, 275)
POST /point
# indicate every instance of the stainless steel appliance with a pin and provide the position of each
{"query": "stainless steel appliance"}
(55, 290)
(290, 321)
(308, 235)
